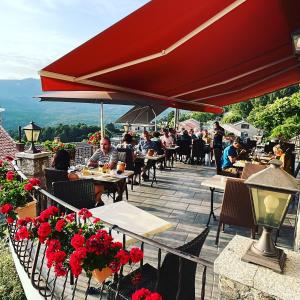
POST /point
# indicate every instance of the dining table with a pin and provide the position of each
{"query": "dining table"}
(131, 218)
(154, 159)
(109, 179)
(216, 184)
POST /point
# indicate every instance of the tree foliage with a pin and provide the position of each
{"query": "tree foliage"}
(74, 133)
(231, 117)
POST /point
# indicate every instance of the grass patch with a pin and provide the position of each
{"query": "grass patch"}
(10, 285)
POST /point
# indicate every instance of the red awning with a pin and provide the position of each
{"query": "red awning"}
(188, 53)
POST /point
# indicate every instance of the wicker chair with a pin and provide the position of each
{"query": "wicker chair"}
(53, 175)
(168, 280)
(236, 207)
(78, 193)
(250, 169)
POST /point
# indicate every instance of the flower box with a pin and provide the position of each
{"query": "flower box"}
(29, 210)
(101, 275)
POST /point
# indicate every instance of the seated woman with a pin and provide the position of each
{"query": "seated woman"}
(61, 161)
(280, 155)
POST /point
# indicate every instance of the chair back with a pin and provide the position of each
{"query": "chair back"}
(184, 147)
(168, 284)
(250, 169)
(125, 155)
(53, 175)
(198, 148)
(236, 206)
(78, 193)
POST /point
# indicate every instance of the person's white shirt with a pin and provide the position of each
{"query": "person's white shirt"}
(167, 141)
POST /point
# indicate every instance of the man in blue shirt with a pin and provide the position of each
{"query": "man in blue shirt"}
(144, 146)
(229, 156)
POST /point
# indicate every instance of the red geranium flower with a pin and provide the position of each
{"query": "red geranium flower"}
(136, 255)
(9, 220)
(6, 208)
(145, 294)
(123, 256)
(1, 162)
(34, 181)
(60, 225)
(43, 231)
(84, 213)
(97, 220)
(59, 270)
(77, 241)
(10, 175)
(28, 187)
(70, 217)
(22, 233)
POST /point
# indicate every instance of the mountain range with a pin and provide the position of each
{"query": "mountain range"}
(16, 97)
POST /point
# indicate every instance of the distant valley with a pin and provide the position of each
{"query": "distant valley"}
(16, 97)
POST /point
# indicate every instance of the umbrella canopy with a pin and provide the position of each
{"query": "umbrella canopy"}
(141, 114)
(188, 53)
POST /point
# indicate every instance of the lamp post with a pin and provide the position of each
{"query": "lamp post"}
(296, 42)
(271, 191)
(32, 132)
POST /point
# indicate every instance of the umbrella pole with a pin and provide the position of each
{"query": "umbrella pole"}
(176, 117)
(155, 127)
(102, 120)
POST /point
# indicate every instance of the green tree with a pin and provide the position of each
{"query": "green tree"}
(231, 117)
(283, 111)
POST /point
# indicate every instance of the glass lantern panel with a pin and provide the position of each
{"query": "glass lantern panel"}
(269, 206)
(32, 135)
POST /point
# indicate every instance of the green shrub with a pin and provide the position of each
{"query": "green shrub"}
(10, 285)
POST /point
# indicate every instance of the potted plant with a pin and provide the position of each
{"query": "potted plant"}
(16, 195)
(54, 146)
(4, 167)
(94, 140)
(77, 246)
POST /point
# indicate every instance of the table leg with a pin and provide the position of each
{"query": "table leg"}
(211, 206)
(154, 175)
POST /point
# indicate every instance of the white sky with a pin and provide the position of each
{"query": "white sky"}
(34, 33)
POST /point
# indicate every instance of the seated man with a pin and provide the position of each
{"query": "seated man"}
(144, 146)
(106, 155)
(229, 157)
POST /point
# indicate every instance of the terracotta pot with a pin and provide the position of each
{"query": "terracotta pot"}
(101, 275)
(29, 210)
(20, 146)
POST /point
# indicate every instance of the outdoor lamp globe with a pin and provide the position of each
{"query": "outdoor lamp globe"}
(271, 190)
(32, 133)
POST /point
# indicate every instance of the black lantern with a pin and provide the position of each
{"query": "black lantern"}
(271, 190)
(32, 132)
(296, 42)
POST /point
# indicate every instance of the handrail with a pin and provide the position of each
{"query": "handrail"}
(32, 257)
(123, 230)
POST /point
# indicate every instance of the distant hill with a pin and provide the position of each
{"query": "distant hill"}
(21, 108)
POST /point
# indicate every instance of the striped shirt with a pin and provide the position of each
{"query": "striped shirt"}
(102, 158)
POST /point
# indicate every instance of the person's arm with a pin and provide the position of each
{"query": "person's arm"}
(93, 161)
(232, 155)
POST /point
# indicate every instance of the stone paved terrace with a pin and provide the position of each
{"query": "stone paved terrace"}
(179, 198)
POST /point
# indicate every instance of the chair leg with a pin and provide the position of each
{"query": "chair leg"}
(218, 233)
(223, 227)
(253, 231)
(126, 191)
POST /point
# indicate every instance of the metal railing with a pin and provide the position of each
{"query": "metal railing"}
(31, 256)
